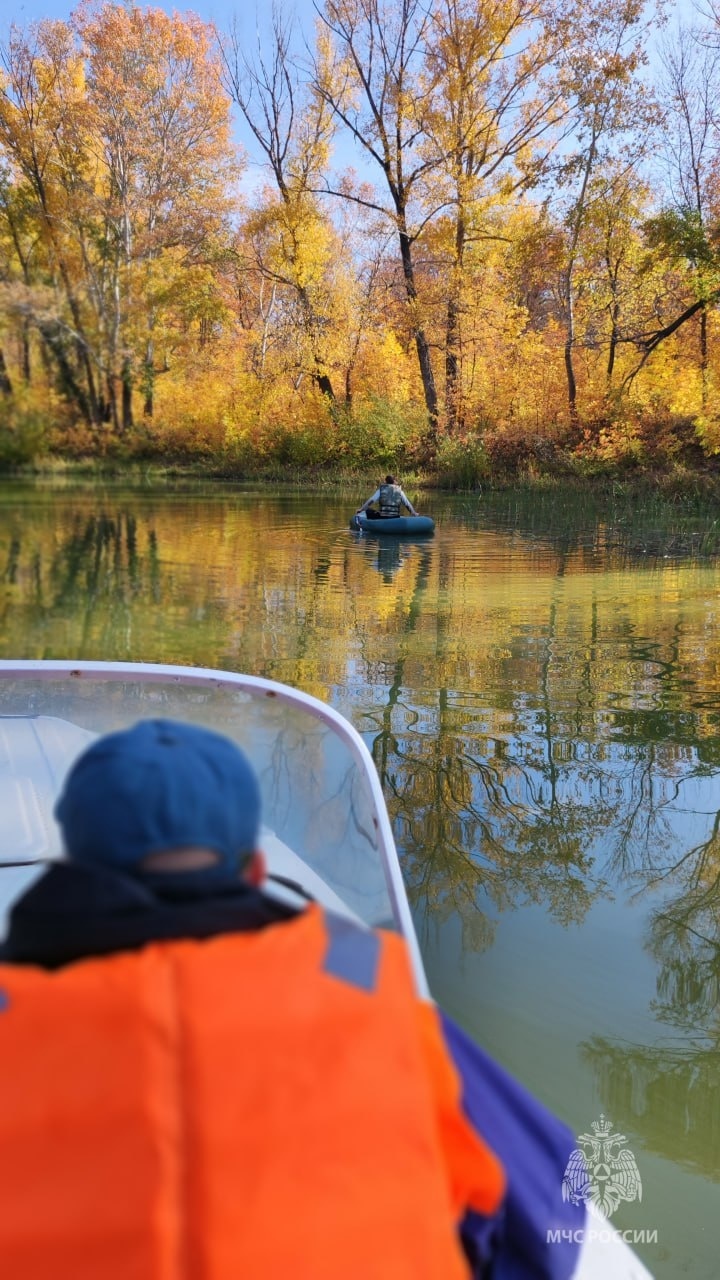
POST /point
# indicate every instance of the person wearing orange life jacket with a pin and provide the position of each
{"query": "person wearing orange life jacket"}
(201, 1082)
(390, 499)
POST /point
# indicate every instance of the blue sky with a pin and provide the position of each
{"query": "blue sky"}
(220, 12)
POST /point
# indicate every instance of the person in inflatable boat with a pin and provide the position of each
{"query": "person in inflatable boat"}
(390, 500)
(201, 1081)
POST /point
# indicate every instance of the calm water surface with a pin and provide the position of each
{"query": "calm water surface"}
(540, 688)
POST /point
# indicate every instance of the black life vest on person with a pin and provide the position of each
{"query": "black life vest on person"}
(389, 500)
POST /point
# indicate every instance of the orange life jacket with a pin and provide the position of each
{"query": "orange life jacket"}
(267, 1104)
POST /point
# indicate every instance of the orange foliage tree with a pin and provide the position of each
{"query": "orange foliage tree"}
(116, 131)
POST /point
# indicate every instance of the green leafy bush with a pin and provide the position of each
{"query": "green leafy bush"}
(380, 433)
(462, 463)
(23, 431)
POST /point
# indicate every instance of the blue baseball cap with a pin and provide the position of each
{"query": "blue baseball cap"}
(160, 785)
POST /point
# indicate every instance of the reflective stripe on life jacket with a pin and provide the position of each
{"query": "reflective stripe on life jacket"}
(389, 500)
(267, 1104)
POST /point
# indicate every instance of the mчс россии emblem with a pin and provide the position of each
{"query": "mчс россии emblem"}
(601, 1170)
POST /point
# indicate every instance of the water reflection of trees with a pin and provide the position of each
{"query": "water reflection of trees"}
(101, 555)
(684, 937)
(482, 823)
(538, 798)
(592, 527)
(91, 584)
(670, 1096)
(490, 818)
(471, 847)
(670, 1093)
(95, 563)
(484, 826)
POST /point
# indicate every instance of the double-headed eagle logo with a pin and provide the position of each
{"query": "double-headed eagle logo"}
(601, 1170)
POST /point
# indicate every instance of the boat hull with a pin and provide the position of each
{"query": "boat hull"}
(403, 525)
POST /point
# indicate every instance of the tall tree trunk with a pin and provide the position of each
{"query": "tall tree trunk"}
(5, 383)
(25, 357)
(422, 345)
(452, 334)
(68, 383)
(704, 358)
(452, 366)
(111, 403)
(568, 351)
(577, 221)
(149, 379)
(614, 335)
(149, 367)
(126, 383)
(318, 374)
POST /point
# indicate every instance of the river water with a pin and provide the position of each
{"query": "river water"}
(540, 688)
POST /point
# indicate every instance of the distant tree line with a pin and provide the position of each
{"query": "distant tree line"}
(525, 261)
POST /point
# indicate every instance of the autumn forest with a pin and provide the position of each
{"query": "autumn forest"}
(473, 235)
